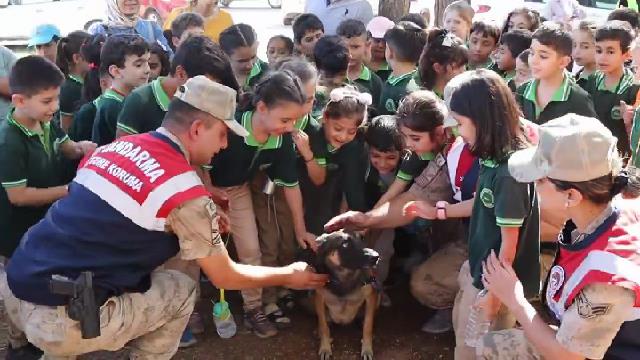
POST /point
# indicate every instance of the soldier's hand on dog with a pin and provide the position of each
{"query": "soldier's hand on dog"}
(351, 220)
(302, 277)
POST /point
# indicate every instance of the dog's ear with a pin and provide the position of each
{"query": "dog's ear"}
(371, 257)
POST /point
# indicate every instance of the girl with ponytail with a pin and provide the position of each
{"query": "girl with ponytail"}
(74, 66)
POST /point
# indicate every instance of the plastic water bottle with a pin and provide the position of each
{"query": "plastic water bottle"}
(478, 324)
(223, 318)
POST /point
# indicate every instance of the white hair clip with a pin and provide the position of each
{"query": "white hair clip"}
(449, 39)
(338, 94)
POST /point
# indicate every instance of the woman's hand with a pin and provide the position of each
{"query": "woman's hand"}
(419, 208)
(501, 281)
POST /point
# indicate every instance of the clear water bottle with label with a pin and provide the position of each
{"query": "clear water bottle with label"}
(478, 324)
(223, 318)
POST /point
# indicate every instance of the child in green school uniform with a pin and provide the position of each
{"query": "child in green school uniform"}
(307, 30)
(523, 71)
(144, 109)
(504, 213)
(240, 43)
(126, 59)
(377, 27)
(74, 66)
(483, 41)
(552, 92)
(584, 50)
(358, 41)
(444, 57)
(512, 44)
(613, 83)
(404, 46)
(33, 148)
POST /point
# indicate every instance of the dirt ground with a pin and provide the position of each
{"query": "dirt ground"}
(397, 336)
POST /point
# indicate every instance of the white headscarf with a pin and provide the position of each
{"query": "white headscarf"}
(117, 18)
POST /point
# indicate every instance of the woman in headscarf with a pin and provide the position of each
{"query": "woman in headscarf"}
(123, 17)
(215, 19)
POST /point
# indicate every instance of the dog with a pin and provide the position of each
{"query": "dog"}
(352, 283)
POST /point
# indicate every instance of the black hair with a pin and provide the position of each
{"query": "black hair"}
(487, 100)
(90, 51)
(435, 52)
(406, 39)
(303, 69)
(382, 133)
(305, 23)
(487, 30)
(349, 107)
(117, 47)
(33, 74)
(182, 114)
(67, 47)
(532, 15)
(287, 42)
(626, 14)
(165, 66)
(199, 55)
(616, 30)
(331, 55)
(555, 37)
(516, 41)
(274, 88)
(235, 36)
(351, 28)
(421, 111)
(416, 19)
(524, 56)
(184, 22)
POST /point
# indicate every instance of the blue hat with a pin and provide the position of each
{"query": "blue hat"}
(44, 34)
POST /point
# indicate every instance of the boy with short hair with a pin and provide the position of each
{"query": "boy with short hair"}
(332, 62)
(33, 148)
(482, 43)
(307, 30)
(377, 27)
(355, 35)
(584, 50)
(126, 59)
(144, 109)
(631, 16)
(185, 25)
(552, 93)
(612, 83)
(404, 47)
(512, 44)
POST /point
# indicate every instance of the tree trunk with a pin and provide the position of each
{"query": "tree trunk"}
(393, 9)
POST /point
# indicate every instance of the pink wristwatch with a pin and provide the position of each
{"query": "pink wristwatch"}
(441, 210)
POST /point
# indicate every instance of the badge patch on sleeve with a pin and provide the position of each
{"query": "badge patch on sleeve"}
(216, 239)
(588, 310)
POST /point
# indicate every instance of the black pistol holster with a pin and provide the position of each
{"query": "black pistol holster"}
(82, 305)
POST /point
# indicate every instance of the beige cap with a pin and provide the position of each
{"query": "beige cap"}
(572, 148)
(213, 98)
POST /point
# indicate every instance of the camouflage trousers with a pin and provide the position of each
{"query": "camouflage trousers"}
(506, 345)
(150, 324)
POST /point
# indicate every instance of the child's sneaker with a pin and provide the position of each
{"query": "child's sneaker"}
(196, 325)
(187, 339)
(276, 316)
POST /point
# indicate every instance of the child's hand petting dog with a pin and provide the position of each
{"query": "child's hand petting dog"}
(301, 277)
(308, 240)
(421, 209)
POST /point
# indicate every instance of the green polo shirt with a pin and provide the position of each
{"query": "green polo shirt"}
(581, 79)
(27, 159)
(509, 75)
(70, 94)
(107, 111)
(607, 103)
(394, 90)
(568, 98)
(259, 69)
(384, 72)
(143, 110)
(494, 67)
(237, 164)
(370, 83)
(501, 202)
(489, 64)
(82, 125)
(635, 140)
(412, 165)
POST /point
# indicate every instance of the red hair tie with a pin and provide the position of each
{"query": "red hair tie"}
(93, 66)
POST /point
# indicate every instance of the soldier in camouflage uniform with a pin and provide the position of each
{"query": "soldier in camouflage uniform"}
(133, 205)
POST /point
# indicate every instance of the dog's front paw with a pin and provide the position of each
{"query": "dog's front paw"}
(325, 352)
(367, 352)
